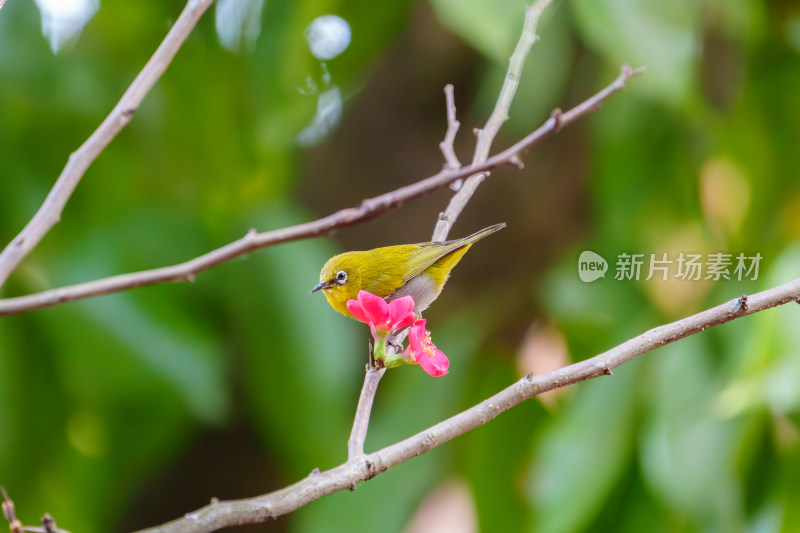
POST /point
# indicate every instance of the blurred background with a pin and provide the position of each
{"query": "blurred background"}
(128, 410)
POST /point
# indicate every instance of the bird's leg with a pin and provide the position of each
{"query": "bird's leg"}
(397, 334)
(400, 334)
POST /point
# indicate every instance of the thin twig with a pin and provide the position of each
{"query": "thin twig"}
(499, 115)
(355, 446)
(50, 211)
(368, 209)
(349, 474)
(446, 146)
(9, 513)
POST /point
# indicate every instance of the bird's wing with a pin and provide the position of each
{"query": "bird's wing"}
(428, 253)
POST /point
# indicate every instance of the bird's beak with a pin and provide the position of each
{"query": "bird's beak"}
(321, 285)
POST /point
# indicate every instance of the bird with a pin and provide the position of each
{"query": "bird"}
(417, 270)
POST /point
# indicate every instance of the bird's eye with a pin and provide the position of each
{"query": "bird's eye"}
(341, 277)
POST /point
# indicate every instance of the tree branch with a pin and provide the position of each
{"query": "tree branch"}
(50, 211)
(457, 203)
(499, 115)
(368, 209)
(358, 435)
(362, 468)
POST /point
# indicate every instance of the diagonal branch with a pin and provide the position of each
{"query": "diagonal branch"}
(362, 468)
(369, 208)
(50, 211)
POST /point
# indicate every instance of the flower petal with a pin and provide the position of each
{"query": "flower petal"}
(416, 336)
(426, 354)
(435, 366)
(355, 308)
(401, 312)
(376, 308)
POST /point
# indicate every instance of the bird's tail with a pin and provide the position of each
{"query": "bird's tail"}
(478, 235)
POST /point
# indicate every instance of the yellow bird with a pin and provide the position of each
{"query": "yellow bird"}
(419, 270)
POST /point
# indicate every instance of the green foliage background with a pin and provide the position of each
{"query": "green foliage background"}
(128, 410)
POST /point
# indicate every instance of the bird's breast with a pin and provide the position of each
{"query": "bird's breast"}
(338, 301)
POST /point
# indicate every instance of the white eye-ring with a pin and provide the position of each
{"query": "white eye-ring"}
(341, 277)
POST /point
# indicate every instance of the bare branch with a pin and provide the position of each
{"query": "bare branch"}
(358, 435)
(50, 211)
(362, 468)
(499, 115)
(446, 146)
(368, 209)
(15, 524)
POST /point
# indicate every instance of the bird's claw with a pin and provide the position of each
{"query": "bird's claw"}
(398, 348)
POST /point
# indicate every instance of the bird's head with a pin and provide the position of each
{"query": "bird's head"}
(340, 280)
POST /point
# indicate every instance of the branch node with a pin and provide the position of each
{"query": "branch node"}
(214, 500)
(372, 470)
(188, 277)
(556, 116)
(369, 205)
(430, 440)
(456, 185)
(516, 160)
(606, 371)
(630, 72)
(48, 524)
(314, 472)
(627, 70)
(739, 305)
(128, 112)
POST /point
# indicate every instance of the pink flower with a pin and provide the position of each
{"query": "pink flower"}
(426, 354)
(381, 316)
